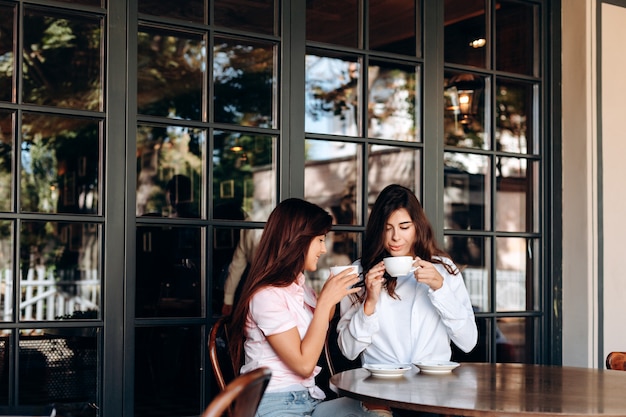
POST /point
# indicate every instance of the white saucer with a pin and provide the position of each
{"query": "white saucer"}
(437, 367)
(382, 370)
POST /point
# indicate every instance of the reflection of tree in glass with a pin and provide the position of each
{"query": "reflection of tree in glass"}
(62, 60)
(169, 75)
(331, 86)
(244, 77)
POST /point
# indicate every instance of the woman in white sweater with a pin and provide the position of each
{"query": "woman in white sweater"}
(411, 318)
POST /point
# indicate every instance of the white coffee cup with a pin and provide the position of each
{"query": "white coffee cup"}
(336, 270)
(398, 266)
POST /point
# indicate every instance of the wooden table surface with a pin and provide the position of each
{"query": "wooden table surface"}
(489, 390)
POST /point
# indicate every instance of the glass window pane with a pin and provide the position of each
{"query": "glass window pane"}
(7, 284)
(7, 54)
(473, 256)
(62, 60)
(514, 117)
(94, 3)
(244, 175)
(169, 271)
(60, 366)
(170, 171)
(170, 74)
(466, 191)
(59, 271)
(516, 195)
(233, 251)
(393, 102)
(393, 165)
(514, 279)
(465, 32)
(244, 82)
(333, 21)
(392, 26)
(60, 164)
(168, 371)
(464, 112)
(187, 10)
(253, 15)
(332, 175)
(516, 339)
(332, 95)
(515, 38)
(6, 160)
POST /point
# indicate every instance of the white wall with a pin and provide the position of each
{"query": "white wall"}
(613, 100)
(580, 272)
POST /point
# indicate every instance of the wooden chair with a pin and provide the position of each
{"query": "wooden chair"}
(241, 397)
(335, 360)
(616, 360)
(224, 367)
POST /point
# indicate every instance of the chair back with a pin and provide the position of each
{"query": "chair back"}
(241, 396)
(616, 360)
(225, 369)
(335, 360)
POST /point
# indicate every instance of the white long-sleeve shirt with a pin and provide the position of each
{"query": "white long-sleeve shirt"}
(416, 327)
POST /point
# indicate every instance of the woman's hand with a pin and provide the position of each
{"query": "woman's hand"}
(426, 273)
(374, 281)
(338, 286)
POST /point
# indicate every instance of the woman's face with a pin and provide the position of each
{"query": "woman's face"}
(316, 249)
(400, 234)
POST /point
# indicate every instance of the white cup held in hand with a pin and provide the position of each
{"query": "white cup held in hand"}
(398, 266)
(336, 270)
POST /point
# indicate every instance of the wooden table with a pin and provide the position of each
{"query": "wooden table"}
(482, 389)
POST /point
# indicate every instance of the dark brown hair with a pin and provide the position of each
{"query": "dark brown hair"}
(394, 197)
(279, 259)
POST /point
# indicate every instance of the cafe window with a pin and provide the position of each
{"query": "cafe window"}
(144, 143)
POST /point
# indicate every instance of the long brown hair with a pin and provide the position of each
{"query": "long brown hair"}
(394, 197)
(279, 259)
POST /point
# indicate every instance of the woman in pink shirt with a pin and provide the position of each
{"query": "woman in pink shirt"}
(279, 322)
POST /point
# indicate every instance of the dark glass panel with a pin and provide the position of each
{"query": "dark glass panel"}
(170, 73)
(6, 160)
(94, 3)
(6, 344)
(244, 82)
(6, 273)
(517, 182)
(170, 271)
(515, 280)
(7, 54)
(466, 191)
(60, 366)
(60, 275)
(168, 371)
(170, 170)
(62, 60)
(332, 95)
(515, 38)
(244, 176)
(393, 165)
(514, 117)
(393, 106)
(472, 254)
(333, 21)
(233, 251)
(465, 32)
(252, 15)
(464, 112)
(332, 175)
(60, 164)
(516, 338)
(187, 10)
(392, 26)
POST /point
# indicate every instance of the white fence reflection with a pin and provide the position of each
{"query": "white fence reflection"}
(510, 289)
(44, 297)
